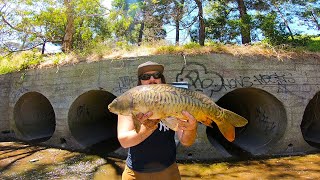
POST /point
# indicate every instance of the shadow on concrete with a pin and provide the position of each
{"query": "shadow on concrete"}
(266, 117)
(34, 118)
(310, 125)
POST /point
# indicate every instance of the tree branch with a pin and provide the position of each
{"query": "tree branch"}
(20, 30)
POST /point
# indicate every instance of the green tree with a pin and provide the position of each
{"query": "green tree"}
(91, 23)
(233, 17)
(273, 31)
(28, 27)
(179, 9)
(70, 29)
(36, 22)
(122, 21)
(139, 21)
(245, 25)
(220, 26)
(202, 27)
(181, 15)
(309, 12)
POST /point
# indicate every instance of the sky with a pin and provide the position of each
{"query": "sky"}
(107, 3)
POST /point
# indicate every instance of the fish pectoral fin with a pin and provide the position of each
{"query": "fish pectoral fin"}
(171, 122)
(136, 123)
(234, 119)
(227, 130)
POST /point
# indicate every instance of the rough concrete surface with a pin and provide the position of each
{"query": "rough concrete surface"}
(67, 106)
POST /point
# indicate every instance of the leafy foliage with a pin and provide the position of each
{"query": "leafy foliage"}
(29, 25)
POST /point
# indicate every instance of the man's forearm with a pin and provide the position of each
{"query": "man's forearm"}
(132, 138)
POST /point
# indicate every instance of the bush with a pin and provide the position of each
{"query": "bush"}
(314, 44)
(30, 59)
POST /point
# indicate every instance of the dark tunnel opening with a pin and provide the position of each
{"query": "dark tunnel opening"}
(267, 122)
(310, 125)
(91, 123)
(34, 118)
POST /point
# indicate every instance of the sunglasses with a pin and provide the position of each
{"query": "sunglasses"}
(156, 75)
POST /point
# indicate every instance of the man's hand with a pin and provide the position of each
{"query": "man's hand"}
(150, 124)
(189, 123)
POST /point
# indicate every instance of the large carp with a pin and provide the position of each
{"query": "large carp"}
(167, 102)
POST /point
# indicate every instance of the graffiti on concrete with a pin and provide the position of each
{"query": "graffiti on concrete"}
(83, 111)
(125, 83)
(200, 79)
(196, 73)
(264, 121)
(281, 80)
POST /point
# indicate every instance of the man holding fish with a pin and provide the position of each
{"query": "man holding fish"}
(152, 148)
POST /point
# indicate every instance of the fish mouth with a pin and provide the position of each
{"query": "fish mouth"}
(111, 105)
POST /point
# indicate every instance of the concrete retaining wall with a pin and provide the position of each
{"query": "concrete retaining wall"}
(66, 107)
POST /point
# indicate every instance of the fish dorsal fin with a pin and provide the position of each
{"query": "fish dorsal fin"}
(171, 122)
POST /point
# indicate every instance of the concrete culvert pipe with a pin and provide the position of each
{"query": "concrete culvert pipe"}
(310, 125)
(267, 122)
(34, 118)
(90, 121)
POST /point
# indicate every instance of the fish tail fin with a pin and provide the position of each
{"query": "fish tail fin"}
(233, 118)
(226, 122)
(227, 130)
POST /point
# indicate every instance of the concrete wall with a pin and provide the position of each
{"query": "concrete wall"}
(66, 107)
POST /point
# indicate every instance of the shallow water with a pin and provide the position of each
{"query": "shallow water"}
(23, 161)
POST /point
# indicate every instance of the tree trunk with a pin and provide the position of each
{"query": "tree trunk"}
(43, 46)
(140, 33)
(179, 10)
(177, 32)
(284, 20)
(245, 25)
(314, 18)
(201, 22)
(67, 40)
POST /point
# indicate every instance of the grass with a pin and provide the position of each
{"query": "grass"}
(314, 45)
(109, 50)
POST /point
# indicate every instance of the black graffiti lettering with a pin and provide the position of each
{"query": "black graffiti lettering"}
(246, 82)
(262, 79)
(237, 83)
(125, 83)
(200, 79)
(82, 110)
(282, 88)
(206, 83)
(193, 77)
(267, 125)
(289, 78)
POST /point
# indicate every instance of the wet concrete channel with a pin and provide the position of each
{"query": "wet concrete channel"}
(26, 161)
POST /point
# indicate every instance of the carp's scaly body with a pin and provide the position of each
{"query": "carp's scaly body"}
(167, 102)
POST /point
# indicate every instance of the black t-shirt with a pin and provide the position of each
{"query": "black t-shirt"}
(155, 153)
